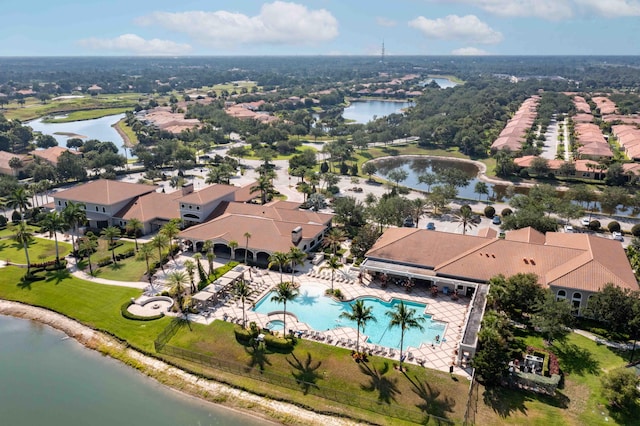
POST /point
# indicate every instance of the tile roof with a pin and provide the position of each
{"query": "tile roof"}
(208, 194)
(103, 191)
(52, 154)
(155, 205)
(578, 261)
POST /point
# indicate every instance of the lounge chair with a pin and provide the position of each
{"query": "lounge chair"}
(409, 356)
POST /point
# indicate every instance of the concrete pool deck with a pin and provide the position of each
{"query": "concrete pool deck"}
(437, 356)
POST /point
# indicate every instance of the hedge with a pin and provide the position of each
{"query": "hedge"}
(128, 315)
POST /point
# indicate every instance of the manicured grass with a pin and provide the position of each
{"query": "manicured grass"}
(33, 108)
(88, 114)
(129, 269)
(95, 305)
(40, 250)
(8, 232)
(299, 150)
(131, 139)
(331, 367)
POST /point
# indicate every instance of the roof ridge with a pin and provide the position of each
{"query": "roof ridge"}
(468, 252)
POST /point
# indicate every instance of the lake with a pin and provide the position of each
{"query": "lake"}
(49, 379)
(364, 111)
(98, 128)
(444, 83)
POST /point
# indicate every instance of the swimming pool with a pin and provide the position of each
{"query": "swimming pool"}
(323, 313)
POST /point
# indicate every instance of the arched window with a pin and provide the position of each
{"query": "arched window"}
(576, 300)
(561, 295)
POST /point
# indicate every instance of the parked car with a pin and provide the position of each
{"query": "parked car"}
(496, 220)
(431, 226)
(408, 223)
(568, 229)
(585, 221)
(617, 236)
(476, 219)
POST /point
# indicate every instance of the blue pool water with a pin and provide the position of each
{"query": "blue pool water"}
(323, 313)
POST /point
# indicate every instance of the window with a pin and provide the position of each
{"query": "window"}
(575, 300)
(182, 206)
(561, 295)
(103, 210)
(96, 208)
(59, 202)
(197, 207)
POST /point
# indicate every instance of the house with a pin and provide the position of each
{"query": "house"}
(5, 160)
(573, 266)
(514, 133)
(51, 154)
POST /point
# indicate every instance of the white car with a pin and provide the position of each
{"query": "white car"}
(585, 221)
(568, 229)
(617, 236)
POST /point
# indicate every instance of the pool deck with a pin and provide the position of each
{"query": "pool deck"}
(439, 356)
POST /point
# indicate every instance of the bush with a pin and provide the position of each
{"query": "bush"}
(635, 231)
(338, 294)
(594, 225)
(506, 212)
(15, 216)
(3, 221)
(620, 387)
(278, 344)
(128, 315)
(613, 226)
(104, 261)
(242, 335)
(524, 174)
(489, 212)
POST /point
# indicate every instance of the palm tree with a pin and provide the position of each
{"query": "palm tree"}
(233, 245)
(53, 223)
(23, 235)
(19, 199)
(334, 265)
(190, 267)
(208, 247)
(176, 280)
(247, 235)
(75, 215)
(406, 319)
(481, 189)
(333, 239)
(464, 218)
(361, 315)
(171, 230)
(133, 227)
(111, 233)
(278, 258)
(296, 257)
(160, 242)
(284, 292)
(86, 246)
(242, 290)
(146, 252)
(264, 186)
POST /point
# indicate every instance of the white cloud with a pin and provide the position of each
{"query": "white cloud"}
(278, 23)
(454, 27)
(546, 9)
(385, 22)
(611, 8)
(469, 51)
(132, 43)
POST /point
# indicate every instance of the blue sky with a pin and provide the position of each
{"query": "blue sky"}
(319, 27)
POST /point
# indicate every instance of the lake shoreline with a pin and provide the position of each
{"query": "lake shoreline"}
(172, 377)
(126, 140)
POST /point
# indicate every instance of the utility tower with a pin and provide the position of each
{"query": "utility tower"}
(382, 53)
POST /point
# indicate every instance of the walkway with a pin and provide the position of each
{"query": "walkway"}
(601, 341)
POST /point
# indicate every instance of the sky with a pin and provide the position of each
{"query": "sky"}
(319, 27)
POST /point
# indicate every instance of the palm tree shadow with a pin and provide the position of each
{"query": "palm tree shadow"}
(58, 276)
(307, 372)
(387, 388)
(576, 360)
(307, 300)
(258, 357)
(433, 403)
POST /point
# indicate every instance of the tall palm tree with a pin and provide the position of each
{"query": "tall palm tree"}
(208, 247)
(284, 292)
(160, 242)
(176, 280)
(111, 233)
(3, 206)
(19, 199)
(23, 235)
(171, 230)
(464, 218)
(334, 265)
(247, 235)
(233, 245)
(278, 258)
(75, 215)
(53, 223)
(190, 267)
(296, 257)
(86, 246)
(243, 291)
(133, 227)
(406, 319)
(146, 252)
(264, 186)
(361, 315)
(333, 239)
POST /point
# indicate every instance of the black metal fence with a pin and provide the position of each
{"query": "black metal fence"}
(472, 402)
(308, 388)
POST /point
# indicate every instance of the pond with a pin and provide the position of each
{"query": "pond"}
(49, 379)
(98, 128)
(364, 111)
(444, 83)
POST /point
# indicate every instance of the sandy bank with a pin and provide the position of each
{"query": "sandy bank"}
(123, 135)
(179, 380)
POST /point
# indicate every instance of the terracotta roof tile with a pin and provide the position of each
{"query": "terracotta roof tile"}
(103, 191)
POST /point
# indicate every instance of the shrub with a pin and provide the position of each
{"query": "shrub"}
(104, 261)
(506, 212)
(489, 212)
(278, 344)
(635, 231)
(594, 225)
(524, 173)
(338, 294)
(3, 221)
(613, 226)
(242, 335)
(620, 387)
(128, 315)
(15, 216)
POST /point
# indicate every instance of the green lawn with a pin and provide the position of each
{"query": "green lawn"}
(129, 269)
(88, 114)
(128, 132)
(8, 232)
(40, 250)
(95, 305)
